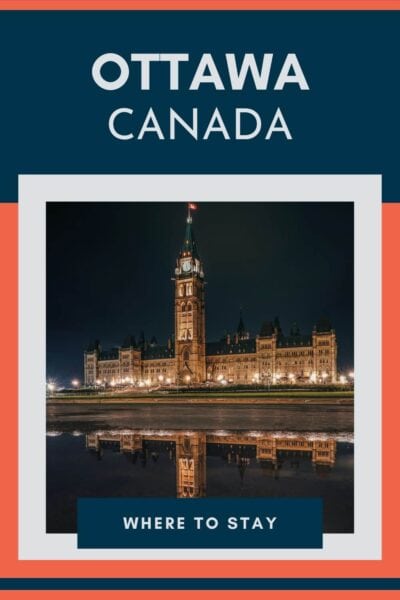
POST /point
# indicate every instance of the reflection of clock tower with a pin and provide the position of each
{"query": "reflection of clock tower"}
(190, 337)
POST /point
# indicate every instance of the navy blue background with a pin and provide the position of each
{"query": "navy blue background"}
(53, 117)
(298, 523)
(52, 120)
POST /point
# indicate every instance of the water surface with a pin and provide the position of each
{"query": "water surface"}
(199, 451)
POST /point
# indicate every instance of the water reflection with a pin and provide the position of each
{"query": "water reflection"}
(193, 464)
(188, 451)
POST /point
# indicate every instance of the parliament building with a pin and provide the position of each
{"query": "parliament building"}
(269, 358)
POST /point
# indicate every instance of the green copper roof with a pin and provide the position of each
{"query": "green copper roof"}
(189, 243)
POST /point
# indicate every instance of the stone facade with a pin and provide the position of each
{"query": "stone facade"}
(269, 358)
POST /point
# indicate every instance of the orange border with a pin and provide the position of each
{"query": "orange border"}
(200, 5)
(11, 567)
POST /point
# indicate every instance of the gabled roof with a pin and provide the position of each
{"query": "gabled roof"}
(323, 326)
(129, 342)
(111, 354)
(93, 346)
(290, 341)
(154, 352)
(267, 329)
(222, 347)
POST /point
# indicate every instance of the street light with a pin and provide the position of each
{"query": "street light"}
(75, 383)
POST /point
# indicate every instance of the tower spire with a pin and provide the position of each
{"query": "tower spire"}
(241, 330)
(189, 246)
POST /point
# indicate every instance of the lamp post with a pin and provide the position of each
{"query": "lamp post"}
(50, 387)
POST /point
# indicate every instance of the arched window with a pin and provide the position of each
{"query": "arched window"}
(183, 307)
(181, 290)
(189, 306)
(189, 289)
(189, 334)
(186, 355)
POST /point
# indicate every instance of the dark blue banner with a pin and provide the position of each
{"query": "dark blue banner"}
(203, 583)
(54, 118)
(199, 523)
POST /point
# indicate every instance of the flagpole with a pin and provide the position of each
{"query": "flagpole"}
(191, 207)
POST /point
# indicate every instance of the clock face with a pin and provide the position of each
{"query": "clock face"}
(186, 266)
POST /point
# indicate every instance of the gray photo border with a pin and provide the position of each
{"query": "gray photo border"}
(36, 190)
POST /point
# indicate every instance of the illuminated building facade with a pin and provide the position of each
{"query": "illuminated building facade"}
(268, 358)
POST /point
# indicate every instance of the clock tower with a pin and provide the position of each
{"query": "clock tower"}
(190, 338)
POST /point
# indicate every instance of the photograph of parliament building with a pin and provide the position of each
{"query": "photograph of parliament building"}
(189, 358)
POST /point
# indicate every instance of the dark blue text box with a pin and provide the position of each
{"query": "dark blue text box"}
(242, 523)
(54, 118)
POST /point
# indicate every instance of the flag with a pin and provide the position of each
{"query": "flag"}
(192, 206)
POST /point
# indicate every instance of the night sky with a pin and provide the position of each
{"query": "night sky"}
(109, 269)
